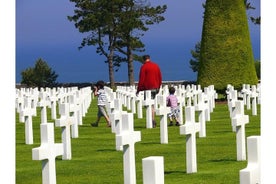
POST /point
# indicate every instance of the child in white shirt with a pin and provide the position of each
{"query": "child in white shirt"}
(99, 91)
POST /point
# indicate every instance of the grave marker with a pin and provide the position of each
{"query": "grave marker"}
(251, 174)
(43, 103)
(27, 112)
(139, 98)
(65, 122)
(75, 109)
(239, 120)
(127, 138)
(116, 117)
(53, 100)
(163, 112)
(203, 108)
(148, 102)
(254, 94)
(190, 128)
(153, 170)
(47, 152)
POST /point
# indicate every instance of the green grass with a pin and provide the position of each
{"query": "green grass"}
(95, 159)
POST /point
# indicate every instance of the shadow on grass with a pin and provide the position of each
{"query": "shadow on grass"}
(224, 160)
(175, 172)
(149, 142)
(106, 150)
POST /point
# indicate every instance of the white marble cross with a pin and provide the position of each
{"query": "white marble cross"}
(148, 102)
(190, 128)
(127, 138)
(254, 94)
(251, 174)
(203, 108)
(53, 100)
(65, 122)
(189, 95)
(47, 152)
(139, 100)
(153, 170)
(181, 103)
(74, 108)
(116, 117)
(233, 97)
(27, 112)
(239, 120)
(163, 112)
(43, 103)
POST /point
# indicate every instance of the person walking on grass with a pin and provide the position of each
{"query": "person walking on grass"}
(172, 103)
(150, 78)
(100, 93)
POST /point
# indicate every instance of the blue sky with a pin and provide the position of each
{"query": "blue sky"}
(43, 31)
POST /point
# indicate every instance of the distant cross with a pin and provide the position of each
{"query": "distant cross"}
(65, 122)
(239, 120)
(47, 152)
(43, 103)
(139, 100)
(181, 103)
(74, 108)
(233, 97)
(53, 100)
(190, 128)
(133, 99)
(203, 108)
(189, 95)
(20, 104)
(116, 117)
(127, 138)
(163, 112)
(27, 112)
(254, 95)
(148, 102)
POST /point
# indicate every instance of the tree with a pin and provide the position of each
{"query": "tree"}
(226, 55)
(135, 19)
(98, 19)
(255, 20)
(194, 63)
(39, 76)
(113, 26)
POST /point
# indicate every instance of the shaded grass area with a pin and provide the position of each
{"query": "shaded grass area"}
(95, 159)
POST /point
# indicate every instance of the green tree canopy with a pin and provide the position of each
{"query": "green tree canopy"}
(226, 55)
(39, 76)
(115, 28)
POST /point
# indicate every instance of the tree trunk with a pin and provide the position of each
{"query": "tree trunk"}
(130, 66)
(110, 69)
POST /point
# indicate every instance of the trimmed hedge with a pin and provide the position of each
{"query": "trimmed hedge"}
(226, 55)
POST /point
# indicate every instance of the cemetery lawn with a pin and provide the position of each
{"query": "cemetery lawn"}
(95, 159)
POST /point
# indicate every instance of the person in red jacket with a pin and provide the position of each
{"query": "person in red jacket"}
(150, 78)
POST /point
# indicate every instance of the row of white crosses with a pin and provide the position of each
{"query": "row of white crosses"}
(126, 137)
(238, 120)
(202, 104)
(78, 103)
(251, 95)
(251, 174)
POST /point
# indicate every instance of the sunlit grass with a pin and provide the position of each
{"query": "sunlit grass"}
(95, 159)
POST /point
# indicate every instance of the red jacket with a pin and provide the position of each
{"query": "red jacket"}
(150, 77)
